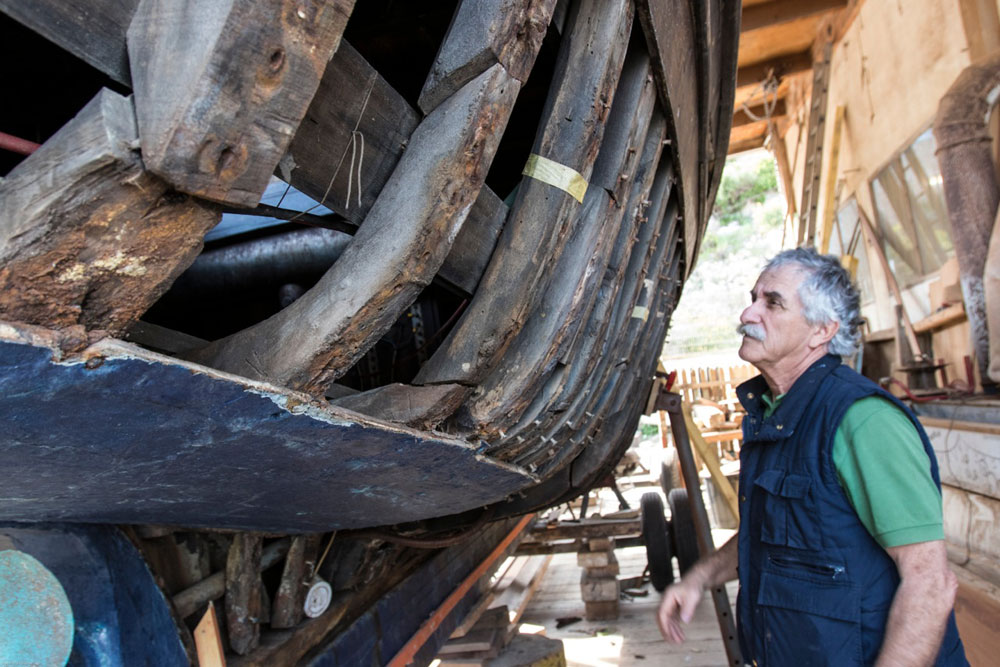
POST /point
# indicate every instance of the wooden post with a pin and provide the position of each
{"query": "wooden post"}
(243, 592)
(86, 235)
(288, 610)
(214, 129)
(829, 199)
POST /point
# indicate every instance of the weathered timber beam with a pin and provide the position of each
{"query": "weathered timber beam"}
(746, 143)
(741, 117)
(587, 71)
(92, 30)
(484, 33)
(288, 608)
(751, 75)
(350, 142)
(86, 235)
(404, 240)
(756, 95)
(776, 12)
(419, 407)
(214, 129)
(509, 388)
(244, 604)
(582, 529)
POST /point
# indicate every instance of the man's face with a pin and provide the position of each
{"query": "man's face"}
(775, 331)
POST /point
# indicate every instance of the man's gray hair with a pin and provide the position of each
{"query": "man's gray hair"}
(827, 295)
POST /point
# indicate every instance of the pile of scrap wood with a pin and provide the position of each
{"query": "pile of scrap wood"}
(493, 623)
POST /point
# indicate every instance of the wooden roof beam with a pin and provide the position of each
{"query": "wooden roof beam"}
(741, 117)
(777, 12)
(795, 63)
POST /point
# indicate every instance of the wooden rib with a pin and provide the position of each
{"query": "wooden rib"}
(578, 355)
(419, 407)
(505, 393)
(589, 62)
(86, 235)
(484, 33)
(396, 253)
(213, 129)
(355, 112)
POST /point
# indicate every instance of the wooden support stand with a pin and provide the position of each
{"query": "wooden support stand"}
(599, 579)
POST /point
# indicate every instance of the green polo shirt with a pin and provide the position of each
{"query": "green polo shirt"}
(885, 471)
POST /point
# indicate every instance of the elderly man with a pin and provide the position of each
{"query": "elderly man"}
(840, 552)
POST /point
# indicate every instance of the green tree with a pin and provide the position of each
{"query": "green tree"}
(741, 187)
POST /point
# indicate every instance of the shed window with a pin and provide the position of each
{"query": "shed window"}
(847, 239)
(912, 216)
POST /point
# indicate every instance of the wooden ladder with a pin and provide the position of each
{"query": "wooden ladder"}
(814, 148)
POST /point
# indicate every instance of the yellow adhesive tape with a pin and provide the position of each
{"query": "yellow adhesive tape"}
(557, 175)
(640, 312)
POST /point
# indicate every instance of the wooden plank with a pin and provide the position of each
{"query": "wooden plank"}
(92, 30)
(243, 592)
(212, 129)
(484, 33)
(776, 12)
(208, 640)
(518, 594)
(396, 253)
(829, 193)
(86, 235)
(541, 217)
(350, 142)
(419, 407)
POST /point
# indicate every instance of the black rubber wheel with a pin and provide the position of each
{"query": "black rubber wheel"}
(670, 472)
(682, 529)
(655, 534)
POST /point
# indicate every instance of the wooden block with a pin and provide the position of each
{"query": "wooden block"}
(594, 588)
(243, 588)
(483, 33)
(396, 253)
(601, 543)
(86, 235)
(601, 611)
(214, 129)
(594, 558)
(532, 651)
(477, 640)
(612, 570)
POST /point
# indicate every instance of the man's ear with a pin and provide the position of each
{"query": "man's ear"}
(823, 333)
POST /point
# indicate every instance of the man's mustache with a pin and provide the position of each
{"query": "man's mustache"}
(754, 331)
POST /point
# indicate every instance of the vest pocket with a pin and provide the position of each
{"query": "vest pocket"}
(788, 517)
(804, 621)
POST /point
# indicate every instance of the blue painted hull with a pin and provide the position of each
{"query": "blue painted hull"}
(122, 435)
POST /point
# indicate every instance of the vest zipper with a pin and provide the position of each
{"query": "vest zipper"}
(832, 571)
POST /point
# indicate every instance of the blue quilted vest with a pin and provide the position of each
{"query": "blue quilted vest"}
(815, 587)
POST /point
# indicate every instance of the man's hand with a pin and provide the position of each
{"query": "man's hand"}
(681, 599)
(678, 605)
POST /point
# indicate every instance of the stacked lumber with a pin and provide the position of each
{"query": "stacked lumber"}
(492, 624)
(599, 579)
